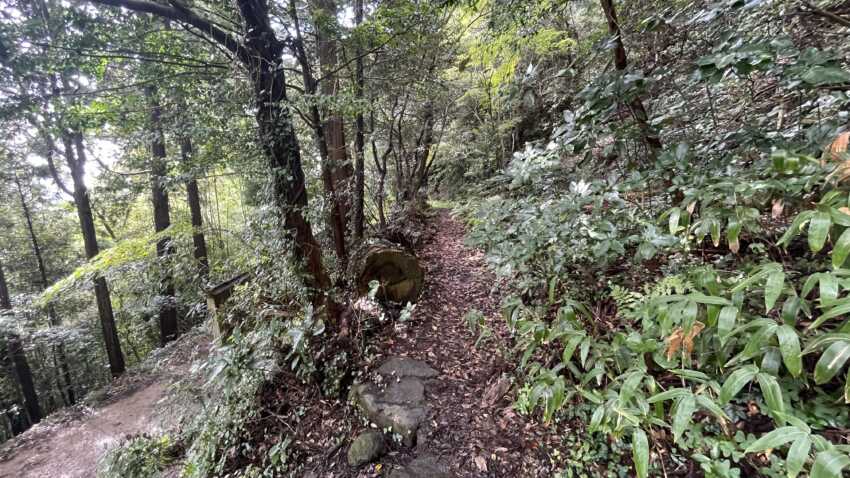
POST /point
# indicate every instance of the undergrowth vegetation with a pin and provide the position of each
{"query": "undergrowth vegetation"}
(690, 300)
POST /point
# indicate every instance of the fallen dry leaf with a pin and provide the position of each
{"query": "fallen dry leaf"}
(679, 339)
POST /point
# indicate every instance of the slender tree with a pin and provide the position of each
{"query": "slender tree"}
(75, 158)
(359, 141)
(621, 63)
(193, 198)
(161, 217)
(324, 13)
(321, 129)
(19, 358)
(52, 317)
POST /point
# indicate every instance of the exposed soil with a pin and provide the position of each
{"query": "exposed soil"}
(472, 428)
(69, 443)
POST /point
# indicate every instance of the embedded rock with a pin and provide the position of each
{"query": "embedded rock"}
(400, 412)
(400, 405)
(366, 447)
(406, 367)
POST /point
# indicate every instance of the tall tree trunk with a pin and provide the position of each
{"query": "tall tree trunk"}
(193, 197)
(68, 394)
(5, 297)
(359, 167)
(337, 214)
(161, 219)
(324, 14)
(621, 63)
(19, 359)
(281, 148)
(72, 141)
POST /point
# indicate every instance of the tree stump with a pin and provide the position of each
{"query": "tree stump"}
(398, 272)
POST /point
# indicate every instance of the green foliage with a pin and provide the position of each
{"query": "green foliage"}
(139, 457)
(670, 294)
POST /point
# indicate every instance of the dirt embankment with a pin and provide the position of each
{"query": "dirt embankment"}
(70, 443)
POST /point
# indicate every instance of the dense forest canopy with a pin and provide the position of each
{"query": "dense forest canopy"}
(659, 190)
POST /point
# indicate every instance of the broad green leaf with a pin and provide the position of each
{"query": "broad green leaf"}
(682, 418)
(789, 347)
(570, 347)
(689, 374)
(583, 352)
(818, 230)
(640, 452)
(736, 381)
(762, 272)
(795, 227)
(775, 439)
(809, 284)
(630, 384)
(596, 418)
(733, 230)
(824, 340)
(847, 388)
(714, 230)
(773, 288)
(829, 464)
(757, 341)
(790, 309)
(838, 308)
(828, 288)
(707, 299)
(797, 456)
(771, 361)
(726, 322)
(831, 361)
(675, 215)
(839, 217)
(772, 396)
(841, 248)
(669, 395)
(820, 75)
(712, 407)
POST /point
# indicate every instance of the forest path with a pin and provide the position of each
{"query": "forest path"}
(472, 428)
(70, 443)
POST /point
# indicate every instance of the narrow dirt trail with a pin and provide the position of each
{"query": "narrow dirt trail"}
(70, 445)
(72, 450)
(472, 427)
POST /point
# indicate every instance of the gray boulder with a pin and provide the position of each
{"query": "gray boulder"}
(368, 446)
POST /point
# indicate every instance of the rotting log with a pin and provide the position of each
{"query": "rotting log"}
(398, 272)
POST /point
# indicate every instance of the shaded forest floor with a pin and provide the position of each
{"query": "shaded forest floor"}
(471, 429)
(69, 443)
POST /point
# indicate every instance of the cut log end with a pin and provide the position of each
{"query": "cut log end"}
(398, 272)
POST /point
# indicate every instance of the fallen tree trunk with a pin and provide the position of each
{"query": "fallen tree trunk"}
(398, 273)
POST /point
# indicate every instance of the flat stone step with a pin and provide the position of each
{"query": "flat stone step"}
(406, 367)
(399, 402)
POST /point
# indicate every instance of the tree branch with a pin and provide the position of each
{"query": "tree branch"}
(827, 14)
(183, 15)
